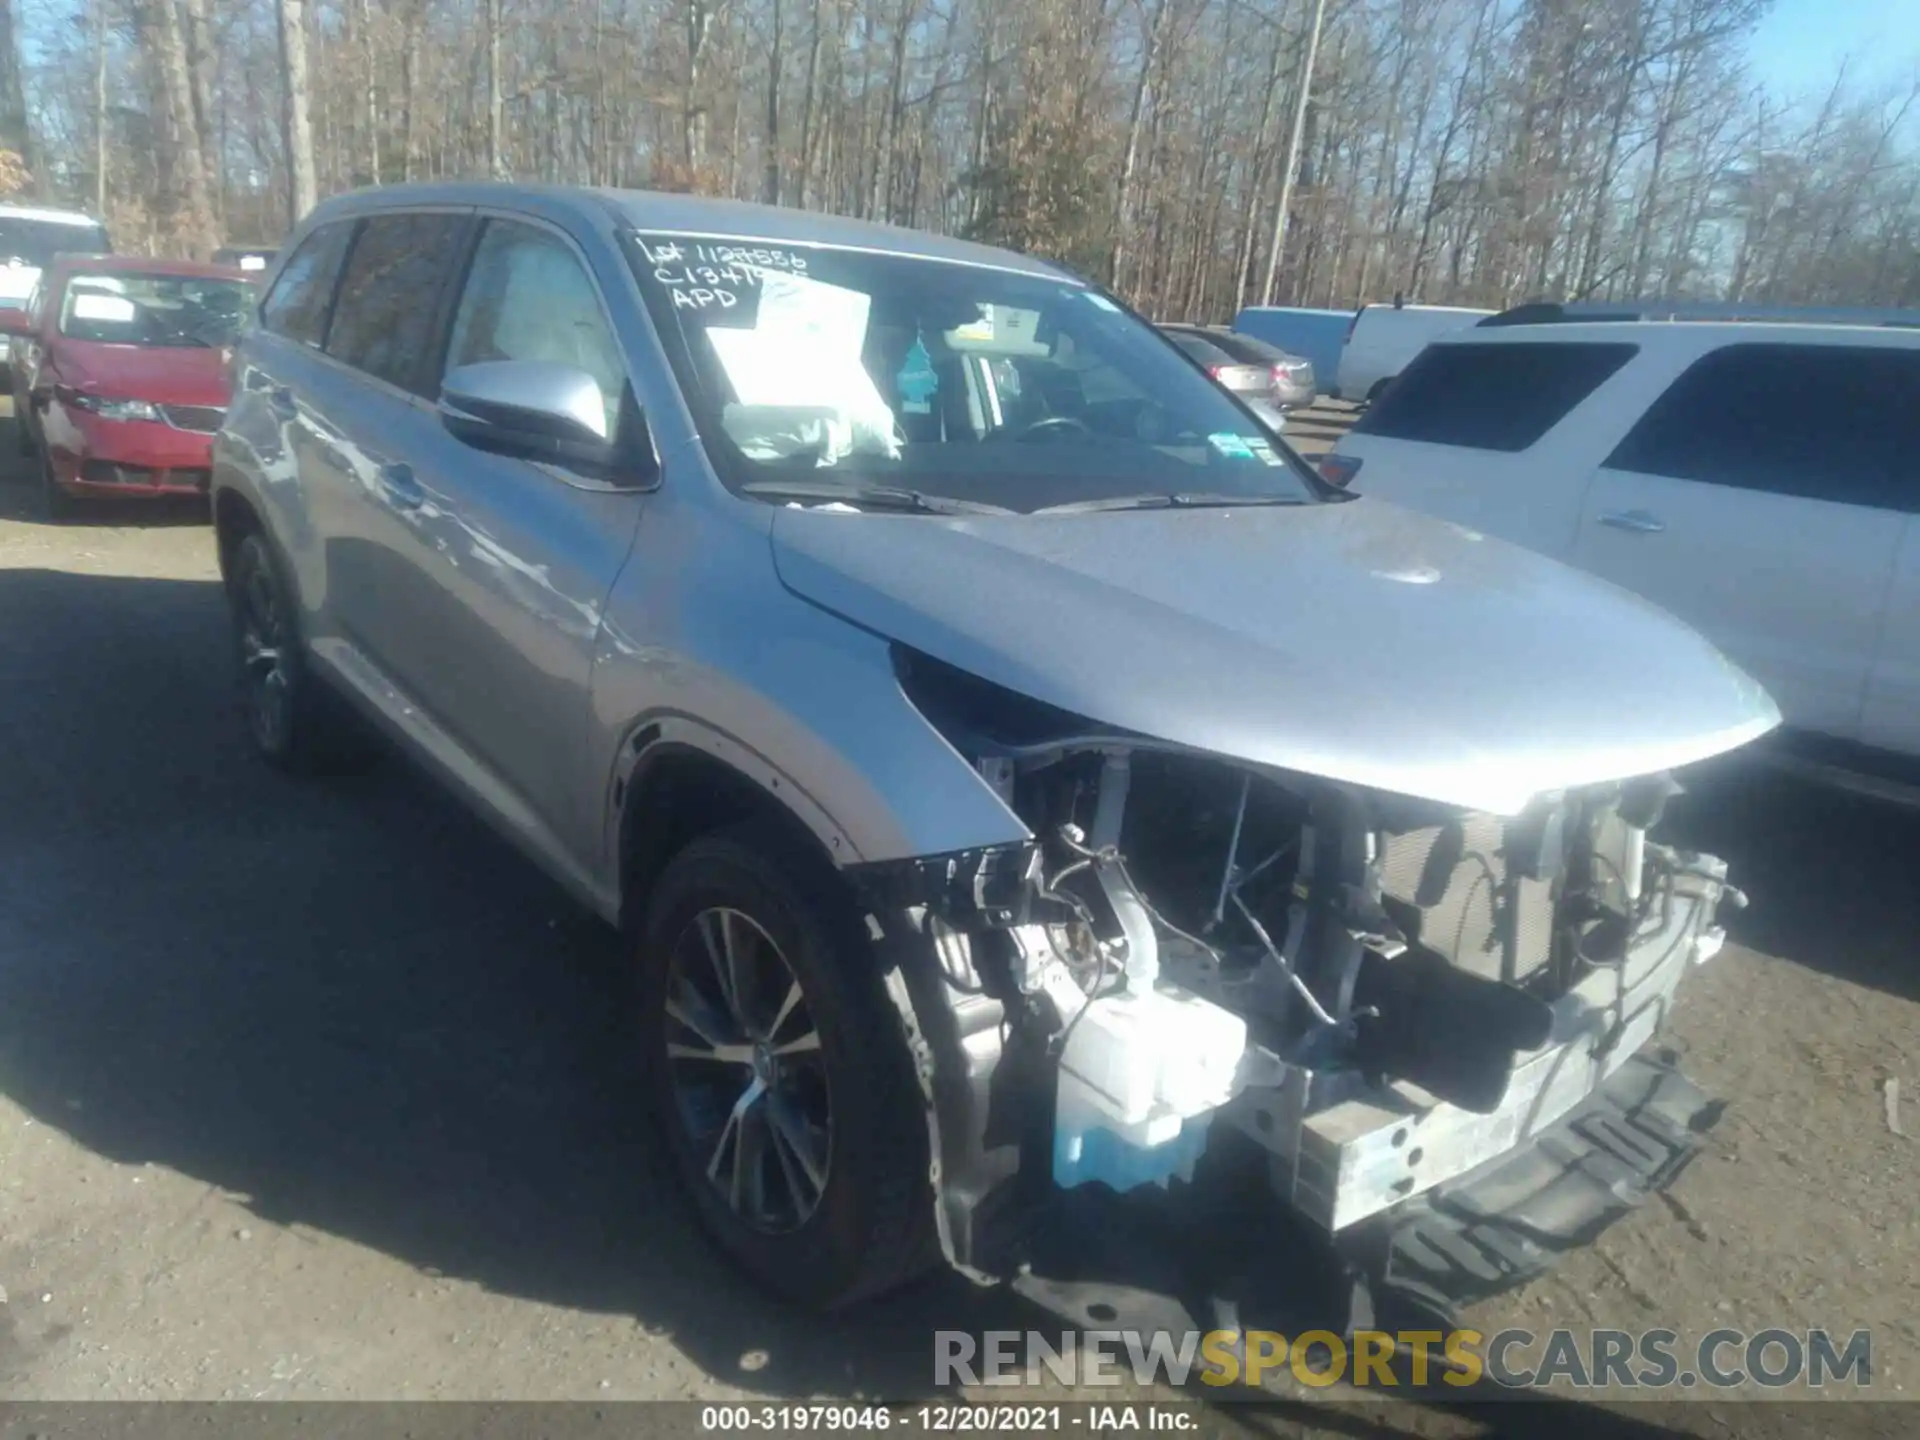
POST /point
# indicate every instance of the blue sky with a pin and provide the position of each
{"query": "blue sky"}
(1798, 48)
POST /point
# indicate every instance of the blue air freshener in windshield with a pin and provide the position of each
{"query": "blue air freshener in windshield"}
(917, 382)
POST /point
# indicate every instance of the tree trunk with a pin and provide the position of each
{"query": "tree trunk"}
(770, 182)
(693, 115)
(370, 96)
(15, 134)
(409, 83)
(808, 103)
(1292, 162)
(496, 113)
(1256, 180)
(600, 166)
(203, 65)
(100, 133)
(296, 116)
(1123, 197)
(188, 207)
(1590, 260)
(892, 126)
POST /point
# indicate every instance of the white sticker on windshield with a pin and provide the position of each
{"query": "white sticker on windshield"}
(1103, 302)
(798, 376)
(1265, 452)
(115, 308)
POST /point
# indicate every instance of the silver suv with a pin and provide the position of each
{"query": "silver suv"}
(1027, 786)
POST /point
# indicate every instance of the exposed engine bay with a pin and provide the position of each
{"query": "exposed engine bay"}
(1381, 993)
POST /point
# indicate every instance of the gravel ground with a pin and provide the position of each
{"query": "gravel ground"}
(306, 1091)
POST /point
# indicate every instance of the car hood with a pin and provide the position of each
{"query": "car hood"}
(1354, 640)
(165, 375)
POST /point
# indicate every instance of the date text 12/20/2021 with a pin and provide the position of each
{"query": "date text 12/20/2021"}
(946, 1419)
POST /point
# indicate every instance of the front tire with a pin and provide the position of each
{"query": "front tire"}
(779, 1078)
(55, 502)
(295, 724)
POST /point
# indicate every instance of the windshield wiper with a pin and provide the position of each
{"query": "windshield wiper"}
(872, 497)
(1167, 500)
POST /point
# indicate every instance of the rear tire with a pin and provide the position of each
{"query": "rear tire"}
(784, 1093)
(295, 723)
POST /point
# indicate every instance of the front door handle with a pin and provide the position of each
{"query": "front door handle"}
(401, 489)
(1639, 522)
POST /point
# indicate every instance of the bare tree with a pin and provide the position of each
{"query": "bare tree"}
(1478, 151)
(99, 107)
(15, 135)
(187, 198)
(496, 121)
(297, 122)
(1291, 164)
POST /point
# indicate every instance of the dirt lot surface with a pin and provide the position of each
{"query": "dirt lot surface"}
(313, 1091)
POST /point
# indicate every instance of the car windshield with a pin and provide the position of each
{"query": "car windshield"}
(811, 366)
(180, 311)
(36, 242)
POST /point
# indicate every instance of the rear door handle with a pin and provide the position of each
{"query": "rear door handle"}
(401, 489)
(1639, 522)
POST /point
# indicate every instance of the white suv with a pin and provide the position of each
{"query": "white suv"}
(29, 237)
(1758, 480)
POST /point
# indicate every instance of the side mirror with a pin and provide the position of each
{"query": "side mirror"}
(14, 321)
(533, 409)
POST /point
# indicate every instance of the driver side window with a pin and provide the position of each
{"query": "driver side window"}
(529, 298)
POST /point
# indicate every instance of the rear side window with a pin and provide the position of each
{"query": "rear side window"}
(1205, 351)
(383, 321)
(1249, 351)
(1490, 397)
(296, 307)
(1826, 422)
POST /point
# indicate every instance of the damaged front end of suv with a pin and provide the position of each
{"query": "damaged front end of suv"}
(1428, 1023)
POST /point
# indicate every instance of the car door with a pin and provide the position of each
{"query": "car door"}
(271, 426)
(369, 416)
(30, 351)
(1493, 434)
(1751, 500)
(509, 562)
(1890, 718)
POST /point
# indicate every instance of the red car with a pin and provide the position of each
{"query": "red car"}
(120, 374)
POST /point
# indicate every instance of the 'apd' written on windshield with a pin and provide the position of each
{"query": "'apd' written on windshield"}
(703, 274)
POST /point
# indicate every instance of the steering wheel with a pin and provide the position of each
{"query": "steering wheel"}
(1054, 422)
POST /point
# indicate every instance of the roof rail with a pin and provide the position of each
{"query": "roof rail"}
(1551, 312)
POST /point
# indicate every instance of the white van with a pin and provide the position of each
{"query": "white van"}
(1760, 481)
(1383, 339)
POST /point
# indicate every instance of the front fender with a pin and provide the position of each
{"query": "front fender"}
(702, 639)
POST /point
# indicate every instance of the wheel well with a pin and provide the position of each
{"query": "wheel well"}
(233, 520)
(675, 795)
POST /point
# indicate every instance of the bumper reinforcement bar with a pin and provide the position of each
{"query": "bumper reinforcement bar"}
(1222, 1252)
